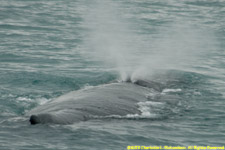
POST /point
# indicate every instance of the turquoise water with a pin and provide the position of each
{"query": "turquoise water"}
(49, 48)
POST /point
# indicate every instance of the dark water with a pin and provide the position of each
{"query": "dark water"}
(49, 48)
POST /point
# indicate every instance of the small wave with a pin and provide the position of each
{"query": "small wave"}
(152, 95)
(26, 103)
(146, 112)
(24, 99)
(128, 116)
(12, 120)
(87, 86)
(171, 90)
(39, 101)
(146, 108)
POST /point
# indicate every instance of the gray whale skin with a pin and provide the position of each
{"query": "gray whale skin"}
(119, 98)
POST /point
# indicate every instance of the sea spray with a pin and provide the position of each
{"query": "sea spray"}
(112, 39)
(109, 36)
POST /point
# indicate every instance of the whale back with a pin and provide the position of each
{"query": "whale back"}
(105, 100)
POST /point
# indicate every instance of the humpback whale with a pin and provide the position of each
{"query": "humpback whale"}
(119, 98)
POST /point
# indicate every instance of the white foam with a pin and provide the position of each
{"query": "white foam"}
(40, 101)
(171, 90)
(152, 95)
(24, 99)
(145, 109)
(87, 86)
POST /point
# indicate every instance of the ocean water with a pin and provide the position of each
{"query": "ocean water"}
(49, 48)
